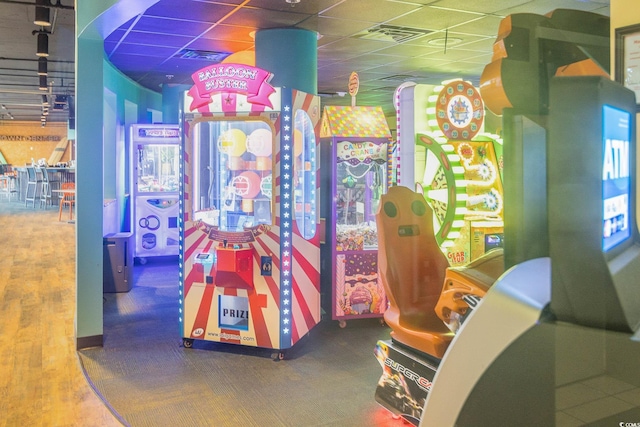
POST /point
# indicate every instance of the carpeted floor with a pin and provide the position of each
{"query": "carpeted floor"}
(328, 378)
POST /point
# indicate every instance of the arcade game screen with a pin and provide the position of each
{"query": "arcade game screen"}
(616, 180)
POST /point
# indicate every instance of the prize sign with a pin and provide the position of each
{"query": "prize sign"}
(231, 78)
(354, 83)
(361, 152)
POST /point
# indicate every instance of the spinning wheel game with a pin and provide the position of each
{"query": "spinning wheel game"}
(456, 166)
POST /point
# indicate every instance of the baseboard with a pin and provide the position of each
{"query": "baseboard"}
(86, 342)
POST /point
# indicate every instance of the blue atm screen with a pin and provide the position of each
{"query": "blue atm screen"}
(616, 180)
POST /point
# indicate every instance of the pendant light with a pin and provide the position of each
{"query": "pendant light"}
(43, 15)
(43, 83)
(43, 44)
(42, 66)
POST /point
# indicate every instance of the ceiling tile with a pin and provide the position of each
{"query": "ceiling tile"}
(482, 6)
(370, 10)
(261, 18)
(434, 19)
(170, 26)
(335, 27)
(152, 39)
(231, 32)
(190, 10)
(485, 26)
(543, 7)
(312, 7)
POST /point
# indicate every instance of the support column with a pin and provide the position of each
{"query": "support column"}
(291, 54)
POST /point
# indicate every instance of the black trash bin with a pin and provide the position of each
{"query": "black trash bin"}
(118, 262)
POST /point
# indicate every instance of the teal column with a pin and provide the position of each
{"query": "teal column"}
(291, 54)
(89, 196)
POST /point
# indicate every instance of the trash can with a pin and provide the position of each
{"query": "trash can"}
(118, 262)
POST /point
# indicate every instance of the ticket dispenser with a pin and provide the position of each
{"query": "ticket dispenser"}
(249, 218)
(234, 268)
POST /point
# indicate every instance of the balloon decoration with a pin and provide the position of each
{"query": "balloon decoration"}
(259, 142)
(233, 142)
(247, 184)
(297, 142)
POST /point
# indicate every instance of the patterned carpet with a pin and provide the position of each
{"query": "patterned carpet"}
(328, 379)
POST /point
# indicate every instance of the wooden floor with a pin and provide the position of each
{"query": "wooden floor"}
(41, 381)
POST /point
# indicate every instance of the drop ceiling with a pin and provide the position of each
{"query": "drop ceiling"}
(387, 42)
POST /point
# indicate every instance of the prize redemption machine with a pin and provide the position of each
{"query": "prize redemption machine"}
(354, 157)
(443, 153)
(155, 154)
(250, 252)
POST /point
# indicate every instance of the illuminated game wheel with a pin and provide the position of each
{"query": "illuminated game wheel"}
(459, 110)
(443, 186)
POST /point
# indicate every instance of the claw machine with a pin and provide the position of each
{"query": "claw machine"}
(155, 154)
(354, 152)
(250, 258)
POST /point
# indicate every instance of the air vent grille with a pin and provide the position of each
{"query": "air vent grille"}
(207, 55)
(393, 33)
(397, 78)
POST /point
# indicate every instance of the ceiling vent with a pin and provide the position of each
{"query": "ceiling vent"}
(384, 89)
(393, 33)
(397, 78)
(207, 55)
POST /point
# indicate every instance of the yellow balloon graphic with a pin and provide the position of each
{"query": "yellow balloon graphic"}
(233, 142)
(297, 142)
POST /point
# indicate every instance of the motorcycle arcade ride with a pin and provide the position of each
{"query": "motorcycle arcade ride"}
(428, 300)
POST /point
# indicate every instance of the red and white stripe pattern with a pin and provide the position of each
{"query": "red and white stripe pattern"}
(283, 307)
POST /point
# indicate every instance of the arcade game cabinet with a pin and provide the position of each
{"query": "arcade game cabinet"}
(445, 153)
(250, 250)
(354, 157)
(155, 154)
(428, 300)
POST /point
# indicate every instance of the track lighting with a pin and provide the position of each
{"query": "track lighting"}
(43, 44)
(42, 66)
(43, 83)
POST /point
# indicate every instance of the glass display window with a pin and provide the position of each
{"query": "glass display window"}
(360, 182)
(233, 173)
(304, 166)
(157, 168)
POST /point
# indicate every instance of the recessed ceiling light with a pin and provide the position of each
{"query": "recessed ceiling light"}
(444, 41)
(293, 1)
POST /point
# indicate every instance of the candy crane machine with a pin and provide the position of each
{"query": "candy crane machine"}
(354, 151)
(250, 257)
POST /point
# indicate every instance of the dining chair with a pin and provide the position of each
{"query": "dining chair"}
(67, 199)
(33, 185)
(45, 192)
